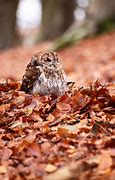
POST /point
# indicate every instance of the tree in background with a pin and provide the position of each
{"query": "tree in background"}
(100, 17)
(8, 35)
(57, 16)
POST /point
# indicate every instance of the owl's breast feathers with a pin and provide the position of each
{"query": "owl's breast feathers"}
(51, 82)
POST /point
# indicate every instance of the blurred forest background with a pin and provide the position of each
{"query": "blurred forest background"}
(27, 22)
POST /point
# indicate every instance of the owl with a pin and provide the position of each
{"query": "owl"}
(44, 75)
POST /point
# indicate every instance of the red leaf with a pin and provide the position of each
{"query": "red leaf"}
(34, 149)
(63, 107)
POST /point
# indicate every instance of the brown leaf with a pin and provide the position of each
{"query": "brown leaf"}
(105, 163)
(63, 107)
(50, 118)
(14, 85)
(34, 149)
(19, 101)
(4, 107)
(30, 108)
(65, 98)
(111, 89)
(78, 101)
(6, 153)
(8, 85)
(67, 131)
(3, 169)
(26, 119)
(50, 168)
(60, 174)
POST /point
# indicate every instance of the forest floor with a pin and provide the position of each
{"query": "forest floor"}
(72, 137)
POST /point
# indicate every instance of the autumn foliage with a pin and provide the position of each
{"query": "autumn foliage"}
(72, 137)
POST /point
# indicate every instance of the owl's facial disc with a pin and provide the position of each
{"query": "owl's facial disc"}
(49, 59)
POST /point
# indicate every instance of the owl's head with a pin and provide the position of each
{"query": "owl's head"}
(45, 58)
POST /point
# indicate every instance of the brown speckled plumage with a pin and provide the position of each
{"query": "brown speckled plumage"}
(44, 75)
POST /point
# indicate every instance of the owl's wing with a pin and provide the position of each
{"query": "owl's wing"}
(30, 76)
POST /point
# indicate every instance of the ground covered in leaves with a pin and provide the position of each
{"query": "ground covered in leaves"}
(72, 137)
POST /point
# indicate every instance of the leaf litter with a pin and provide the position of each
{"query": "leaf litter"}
(72, 137)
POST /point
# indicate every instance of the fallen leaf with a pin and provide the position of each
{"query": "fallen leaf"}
(50, 168)
(3, 169)
(34, 149)
(63, 107)
(105, 163)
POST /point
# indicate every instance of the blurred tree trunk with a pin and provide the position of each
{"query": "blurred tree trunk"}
(57, 16)
(100, 17)
(100, 10)
(7, 23)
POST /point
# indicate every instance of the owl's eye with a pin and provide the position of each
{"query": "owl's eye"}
(48, 60)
